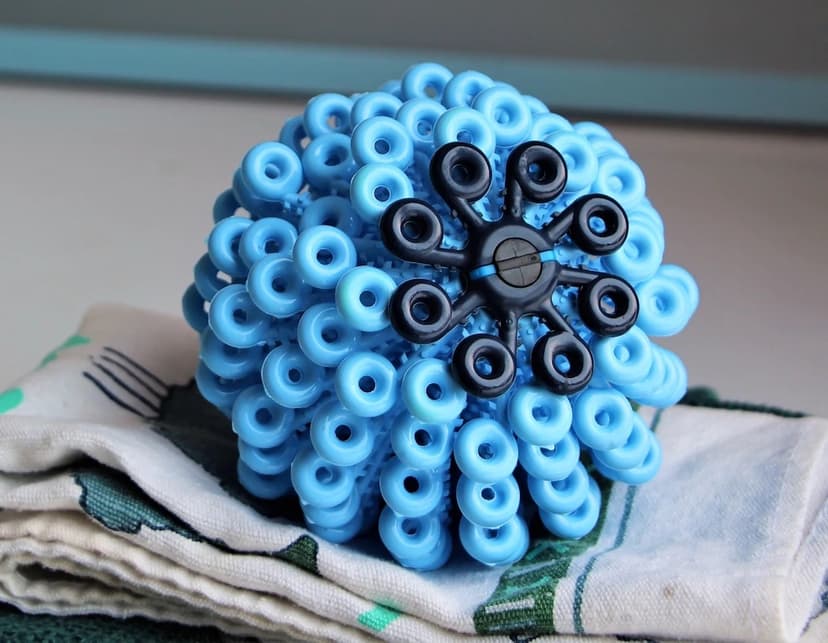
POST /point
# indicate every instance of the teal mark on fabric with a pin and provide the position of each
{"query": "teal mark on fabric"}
(10, 399)
(523, 602)
(580, 583)
(378, 617)
(112, 499)
(74, 340)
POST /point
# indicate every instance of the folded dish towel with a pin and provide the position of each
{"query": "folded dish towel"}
(119, 498)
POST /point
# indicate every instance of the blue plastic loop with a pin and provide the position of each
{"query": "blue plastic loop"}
(326, 114)
(272, 171)
(259, 421)
(425, 80)
(631, 454)
(227, 361)
(362, 296)
(546, 125)
(290, 378)
(538, 416)
(646, 214)
(267, 237)
(418, 117)
(654, 380)
(536, 105)
(624, 359)
(430, 393)
(578, 523)
(264, 487)
(220, 392)
(552, 462)
(410, 491)
(645, 472)
(381, 139)
(467, 125)
(223, 245)
(293, 135)
(328, 162)
(366, 384)
(502, 546)
(333, 211)
(256, 206)
(270, 461)
(581, 162)
(621, 179)
(225, 206)
(608, 147)
(324, 336)
(679, 275)
(192, 305)
(506, 112)
(373, 104)
(376, 186)
(236, 320)
(488, 504)
(339, 436)
(663, 309)
(674, 384)
(341, 534)
(640, 256)
(393, 87)
(418, 444)
(323, 254)
(593, 131)
(461, 90)
(318, 482)
(276, 288)
(207, 280)
(560, 496)
(485, 451)
(602, 418)
(333, 517)
(421, 543)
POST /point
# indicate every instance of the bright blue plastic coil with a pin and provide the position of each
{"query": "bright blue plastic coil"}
(270, 237)
(334, 211)
(270, 461)
(411, 492)
(324, 336)
(654, 379)
(538, 416)
(328, 163)
(602, 418)
(293, 135)
(645, 214)
(632, 453)
(581, 162)
(341, 534)
(508, 115)
(560, 496)
(333, 517)
(393, 87)
(220, 392)
(430, 393)
(425, 80)
(578, 523)
(207, 280)
(546, 125)
(366, 384)
(376, 186)
(224, 206)
(608, 147)
(326, 114)
(362, 298)
(463, 88)
(318, 482)
(640, 256)
(323, 254)
(689, 287)
(420, 543)
(272, 171)
(485, 451)
(223, 245)
(467, 125)
(419, 444)
(663, 308)
(502, 546)
(552, 462)
(339, 436)
(488, 505)
(536, 105)
(261, 486)
(291, 379)
(593, 131)
(276, 288)
(645, 472)
(229, 362)
(381, 139)
(624, 359)
(372, 104)
(259, 421)
(236, 320)
(192, 305)
(621, 179)
(418, 118)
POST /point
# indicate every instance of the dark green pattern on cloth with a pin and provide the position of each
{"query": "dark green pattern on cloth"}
(707, 397)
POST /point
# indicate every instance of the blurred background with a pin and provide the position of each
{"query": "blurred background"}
(120, 123)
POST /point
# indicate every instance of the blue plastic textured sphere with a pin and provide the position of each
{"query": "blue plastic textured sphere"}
(306, 344)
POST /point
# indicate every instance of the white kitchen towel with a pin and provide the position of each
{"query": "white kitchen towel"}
(119, 497)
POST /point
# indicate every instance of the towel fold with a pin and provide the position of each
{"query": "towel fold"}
(118, 497)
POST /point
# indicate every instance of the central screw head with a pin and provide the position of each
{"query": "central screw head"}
(517, 262)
